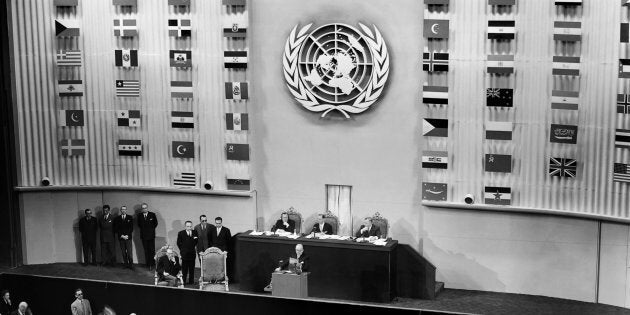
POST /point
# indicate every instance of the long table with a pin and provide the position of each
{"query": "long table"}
(339, 269)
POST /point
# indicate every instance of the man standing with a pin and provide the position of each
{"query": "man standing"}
(202, 231)
(106, 224)
(284, 224)
(123, 225)
(147, 222)
(6, 307)
(80, 306)
(186, 241)
(220, 236)
(168, 267)
(88, 227)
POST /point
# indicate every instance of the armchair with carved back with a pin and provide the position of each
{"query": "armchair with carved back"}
(332, 219)
(297, 217)
(381, 222)
(214, 270)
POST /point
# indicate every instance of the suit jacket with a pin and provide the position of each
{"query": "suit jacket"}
(165, 264)
(5, 308)
(77, 309)
(124, 227)
(304, 259)
(88, 229)
(107, 229)
(187, 244)
(374, 231)
(27, 312)
(327, 228)
(222, 240)
(280, 225)
(203, 242)
(147, 226)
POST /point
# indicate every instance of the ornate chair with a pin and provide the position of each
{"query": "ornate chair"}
(297, 217)
(158, 254)
(332, 219)
(381, 222)
(214, 270)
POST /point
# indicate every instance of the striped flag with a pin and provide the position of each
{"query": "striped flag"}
(67, 28)
(180, 58)
(498, 130)
(131, 3)
(236, 90)
(234, 2)
(501, 2)
(235, 25)
(567, 100)
(621, 173)
(622, 138)
(567, 31)
(623, 103)
(501, 29)
(128, 118)
(500, 64)
(181, 89)
(130, 147)
(185, 179)
(179, 2)
(66, 3)
(69, 58)
(126, 58)
(434, 61)
(566, 65)
(182, 119)
(235, 59)
(435, 127)
(568, 2)
(624, 68)
(624, 35)
(71, 118)
(435, 94)
(435, 2)
(70, 88)
(127, 88)
(236, 121)
(72, 147)
(238, 184)
(179, 28)
(562, 167)
(498, 195)
(125, 28)
(435, 159)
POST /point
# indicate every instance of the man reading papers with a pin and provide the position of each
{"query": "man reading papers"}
(299, 261)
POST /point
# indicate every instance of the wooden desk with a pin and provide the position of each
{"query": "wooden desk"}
(290, 284)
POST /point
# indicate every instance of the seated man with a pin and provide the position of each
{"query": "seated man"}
(284, 224)
(367, 229)
(168, 268)
(299, 258)
(321, 226)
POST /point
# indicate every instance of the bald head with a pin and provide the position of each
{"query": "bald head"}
(299, 249)
(22, 306)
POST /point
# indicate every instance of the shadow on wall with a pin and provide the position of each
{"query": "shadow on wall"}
(77, 236)
(176, 226)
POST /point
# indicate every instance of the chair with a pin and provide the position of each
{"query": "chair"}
(381, 222)
(161, 252)
(332, 219)
(297, 217)
(214, 270)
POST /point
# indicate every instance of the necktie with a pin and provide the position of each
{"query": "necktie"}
(83, 306)
(203, 227)
(123, 217)
(188, 233)
(145, 216)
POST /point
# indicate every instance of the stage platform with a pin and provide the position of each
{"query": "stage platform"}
(449, 301)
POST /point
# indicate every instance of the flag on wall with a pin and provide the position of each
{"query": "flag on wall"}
(568, 2)
(435, 94)
(235, 25)
(436, 28)
(501, 163)
(499, 97)
(563, 134)
(128, 118)
(182, 119)
(567, 100)
(66, 3)
(237, 152)
(179, 28)
(132, 3)
(181, 89)
(562, 167)
(180, 58)
(236, 121)
(236, 90)
(178, 2)
(70, 88)
(67, 28)
(566, 65)
(501, 29)
(434, 61)
(435, 159)
(498, 195)
(434, 191)
(500, 64)
(126, 58)
(238, 184)
(235, 59)
(623, 103)
(125, 28)
(183, 149)
(622, 138)
(501, 2)
(69, 58)
(567, 31)
(72, 147)
(435, 127)
(234, 2)
(498, 130)
(185, 179)
(71, 118)
(436, 2)
(130, 147)
(624, 35)
(621, 173)
(127, 88)
(624, 68)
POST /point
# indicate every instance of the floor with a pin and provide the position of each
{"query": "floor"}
(466, 301)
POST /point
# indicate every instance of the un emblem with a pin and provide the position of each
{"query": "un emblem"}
(336, 67)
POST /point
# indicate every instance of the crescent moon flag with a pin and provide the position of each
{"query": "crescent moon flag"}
(436, 28)
(71, 118)
(183, 149)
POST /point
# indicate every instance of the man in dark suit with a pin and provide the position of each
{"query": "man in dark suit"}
(147, 222)
(106, 225)
(202, 230)
(88, 227)
(321, 226)
(220, 236)
(299, 259)
(367, 229)
(186, 241)
(123, 225)
(168, 268)
(284, 224)
(6, 306)
(22, 309)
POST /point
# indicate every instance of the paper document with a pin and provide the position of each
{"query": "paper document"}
(255, 233)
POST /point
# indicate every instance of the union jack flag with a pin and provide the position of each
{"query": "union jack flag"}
(562, 167)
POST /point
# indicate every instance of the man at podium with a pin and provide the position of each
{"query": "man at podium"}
(297, 262)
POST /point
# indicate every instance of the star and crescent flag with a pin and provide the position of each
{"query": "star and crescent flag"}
(436, 28)
(71, 118)
(72, 147)
(498, 195)
(183, 149)
(434, 191)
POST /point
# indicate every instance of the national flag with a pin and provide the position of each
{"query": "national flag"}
(500, 64)
(622, 138)
(237, 121)
(234, 2)
(434, 191)
(568, 2)
(67, 28)
(185, 179)
(71, 118)
(70, 87)
(128, 118)
(182, 119)
(126, 58)
(624, 35)
(499, 130)
(623, 103)
(435, 2)
(434, 61)
(621, 173)
(562, 167)
(567, 31)
(501, 163)
(501, 29)
(180, 58)
(435, 94)
(66, 3)
(436, 28)
(563, 134)
(501, 2)
(235, 25)
(498, 195)
(69, 58)
(72, 147)
(435, 159)
(237, 152)
(624, 68)
(178, 2)
(499, 97)
(236, 90)
(130, 147)
(181, 89)
(566, 65)
(567, 100)
(179, 28)
(238, 184)
(125, 28)
(235, 59)
(132, 3)
(127, 88)
(435, 127)
(183, 149)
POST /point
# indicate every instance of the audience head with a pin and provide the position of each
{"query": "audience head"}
(6, 295)
(218, 221)
(23, 306)
(123, 209)
(299, 249)
(203, 218)
(78, 293)
(284, 216)
(144, 207)
(188, 225)
(88, 212)
(106, 208)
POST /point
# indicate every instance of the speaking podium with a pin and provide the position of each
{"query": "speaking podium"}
(289, 284)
